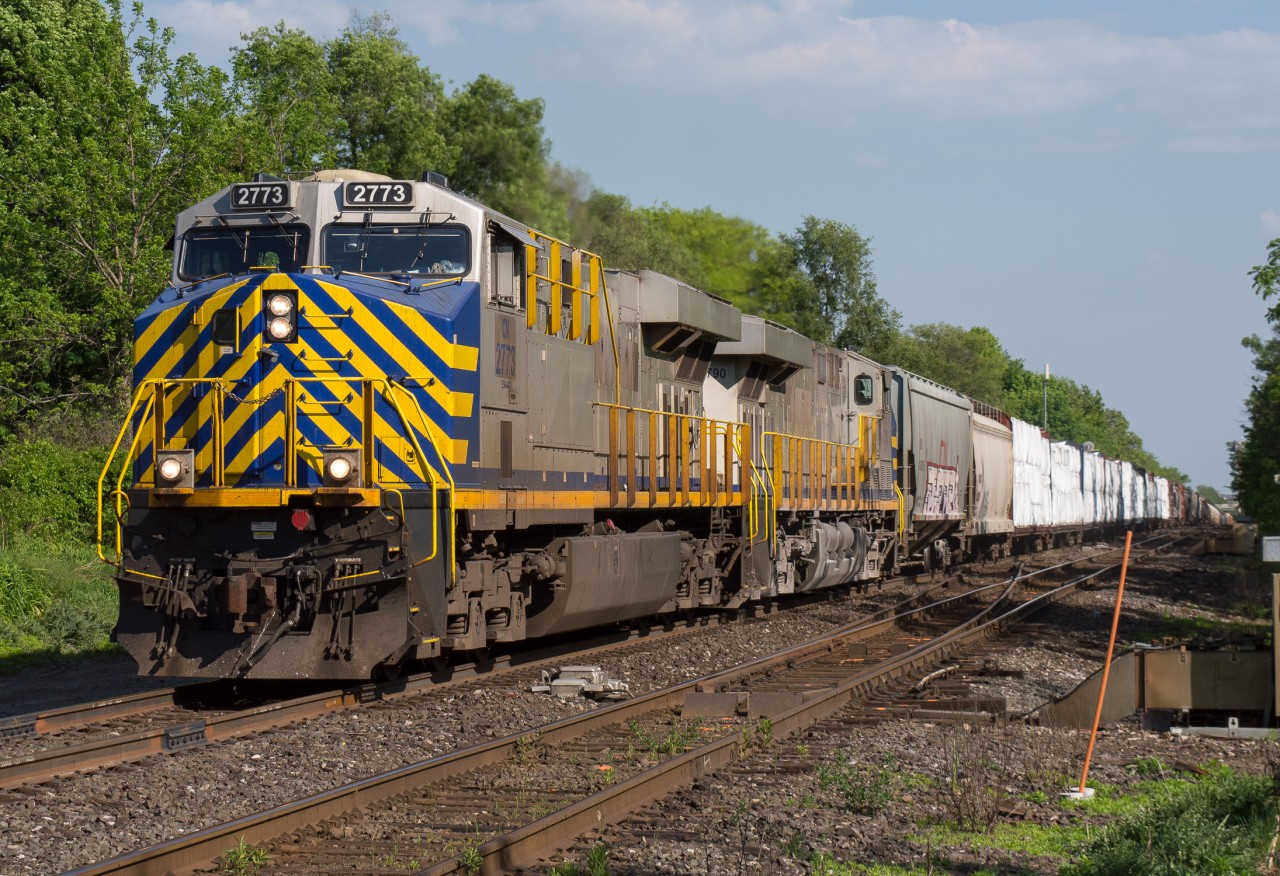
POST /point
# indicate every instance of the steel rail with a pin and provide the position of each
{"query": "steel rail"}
(200, 847)
(519, 847)
(529, 845)
(43, 765)
(67, 717)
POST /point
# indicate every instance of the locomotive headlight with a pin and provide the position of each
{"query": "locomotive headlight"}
(341, 467)
(174, 468)
(280, 328)
(170, 468)
(280, 305)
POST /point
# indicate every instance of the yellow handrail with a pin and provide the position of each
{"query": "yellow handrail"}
(684, 432)
(149, 397)
(808, 462)
(106, 468)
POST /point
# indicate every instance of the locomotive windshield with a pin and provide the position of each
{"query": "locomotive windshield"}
(397, 249)
(208, 252)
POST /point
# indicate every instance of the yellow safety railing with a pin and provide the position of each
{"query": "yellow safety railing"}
(584, 289)
(811, 474)
(759, 487)
(680, 448)
(153, 400)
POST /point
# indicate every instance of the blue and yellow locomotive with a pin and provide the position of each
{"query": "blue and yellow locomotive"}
(376, 422)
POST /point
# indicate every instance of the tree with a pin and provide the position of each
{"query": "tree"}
(841, 302)
(969, 360)
(103, 138)
(283, 81)
(726, 251)
(1210, 493)
(389, 106)
(501, 151)
(1256, 463)
(628, 238)
(1266, 278)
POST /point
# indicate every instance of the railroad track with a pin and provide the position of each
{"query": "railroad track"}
(104, 733)
(511, 802)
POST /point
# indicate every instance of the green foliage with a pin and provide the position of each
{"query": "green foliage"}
(1256, 462)
(1266, 278)
(865, 788)
(55, 599)
(103, 138)
(470, 857)
(500, 153)
(244, 859)
(21, 592)
(1210, 493)
(628, 238)
(1148, 766)
(969, 360)
(1027, 838)
(1220, 825)
(287, 97)
(598, 860)
(48, 490)
(727, 256)
(838, 304)
(680, 736)
(390, 105)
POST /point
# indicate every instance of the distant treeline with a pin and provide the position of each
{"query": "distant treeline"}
(105, 136)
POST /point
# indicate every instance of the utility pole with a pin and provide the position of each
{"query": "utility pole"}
(1046, 396)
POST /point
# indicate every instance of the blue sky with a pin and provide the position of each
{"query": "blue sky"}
(1092, 184)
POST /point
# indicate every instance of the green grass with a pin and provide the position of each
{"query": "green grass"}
(56, 596)
(1199, 627)
(1217, 826)
(56, 599)
(243, 859)
(1026, 838)
(866, 788)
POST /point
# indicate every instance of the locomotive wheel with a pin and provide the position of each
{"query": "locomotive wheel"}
(388, 671)
(478, 656)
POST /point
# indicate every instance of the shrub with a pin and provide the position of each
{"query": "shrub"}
(866, 788)
(49, 491)
(1218, 826)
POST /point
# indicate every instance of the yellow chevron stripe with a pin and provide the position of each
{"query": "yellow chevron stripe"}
(159, 325)
(456, 404)
(390, 433)
(454, 355)
(189, 334)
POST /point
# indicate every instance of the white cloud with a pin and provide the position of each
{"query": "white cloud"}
(1270, 224)
(211, 27)
(817, 54)
(1211, 92)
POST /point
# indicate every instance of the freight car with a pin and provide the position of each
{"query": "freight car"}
(376, 422)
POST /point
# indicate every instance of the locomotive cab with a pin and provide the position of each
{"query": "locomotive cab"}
(305, 394)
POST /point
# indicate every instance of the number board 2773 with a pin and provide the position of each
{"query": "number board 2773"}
(392, 193)
(261, 196)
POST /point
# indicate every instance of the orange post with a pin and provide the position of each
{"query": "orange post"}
(1106, 667)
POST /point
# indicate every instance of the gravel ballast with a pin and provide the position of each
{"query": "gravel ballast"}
(80, 819)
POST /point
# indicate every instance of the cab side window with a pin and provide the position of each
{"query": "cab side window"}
(863, 390)
(506, 271)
